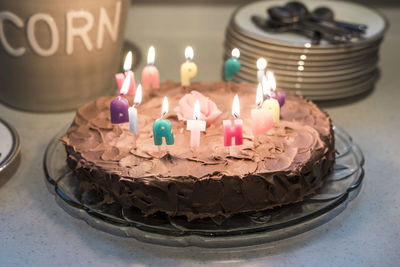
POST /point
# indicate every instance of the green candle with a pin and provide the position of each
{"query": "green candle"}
(232, 65)
(163, 128)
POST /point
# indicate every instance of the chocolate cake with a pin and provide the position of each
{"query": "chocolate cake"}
(281, 167)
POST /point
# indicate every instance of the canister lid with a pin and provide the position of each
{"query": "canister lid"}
(9, 150)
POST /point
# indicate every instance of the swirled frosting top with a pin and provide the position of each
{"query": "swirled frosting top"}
(286, 147)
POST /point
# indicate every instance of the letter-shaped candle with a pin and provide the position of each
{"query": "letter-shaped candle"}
(119, 106)
(261, 65)
(133, 118)
(266, 87)
(150, 74)
(119, 77)
(261, 119)
(232, 65)
(195, 126)
(236, 131)
(189, 68)
(270, 104)
(280, 96)
(162, 127)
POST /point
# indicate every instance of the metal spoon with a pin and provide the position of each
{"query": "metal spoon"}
(326, 14)
(299, 9)
(297, 18)
(276, 27)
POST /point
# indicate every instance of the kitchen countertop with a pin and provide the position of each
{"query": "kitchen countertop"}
(34, 230)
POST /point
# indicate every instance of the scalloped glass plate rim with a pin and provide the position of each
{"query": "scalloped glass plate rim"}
(221, 238)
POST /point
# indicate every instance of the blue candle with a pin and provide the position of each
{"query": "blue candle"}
(163, 128)
(232, 65)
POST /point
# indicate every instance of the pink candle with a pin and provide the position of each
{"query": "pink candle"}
(195, 126)
(150, 75)
(237, 130)
(119, 77)
(261, 119)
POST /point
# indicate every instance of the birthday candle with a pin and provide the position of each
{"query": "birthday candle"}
(270, 104)
(280, 96)
(163, 128)
(189, 68)
(261, 65)
(261, 119)
(133, 117)
(237, 130)
(232, 65)
(195, 126)
(120, 77)
(266, 87)
(150, 74)
(119, 106)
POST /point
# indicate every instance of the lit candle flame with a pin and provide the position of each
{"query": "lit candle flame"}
(266, 87)
(271, 80)
(128, 61)
(125, 85)
(138, 96)
(189, 53)
(164, 110)
(259, 95)
(196, 110)
(235, 53)
(151, 54)
(261, 63)
(236, 107)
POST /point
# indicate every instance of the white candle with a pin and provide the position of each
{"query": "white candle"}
(266, 87)
(261, 66)
(133, 118)
(195, 126)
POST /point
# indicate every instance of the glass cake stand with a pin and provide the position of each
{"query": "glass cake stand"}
(246, 229)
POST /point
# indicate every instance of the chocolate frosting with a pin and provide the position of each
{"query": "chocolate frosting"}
(280, 167)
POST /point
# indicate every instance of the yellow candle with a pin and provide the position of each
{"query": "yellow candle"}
(189, 68)
(272, 106)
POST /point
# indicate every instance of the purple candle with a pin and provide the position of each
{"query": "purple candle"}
(280, 96)
(119, 106)
(119, 110)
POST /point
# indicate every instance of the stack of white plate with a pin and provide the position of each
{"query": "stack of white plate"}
(320, 72)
